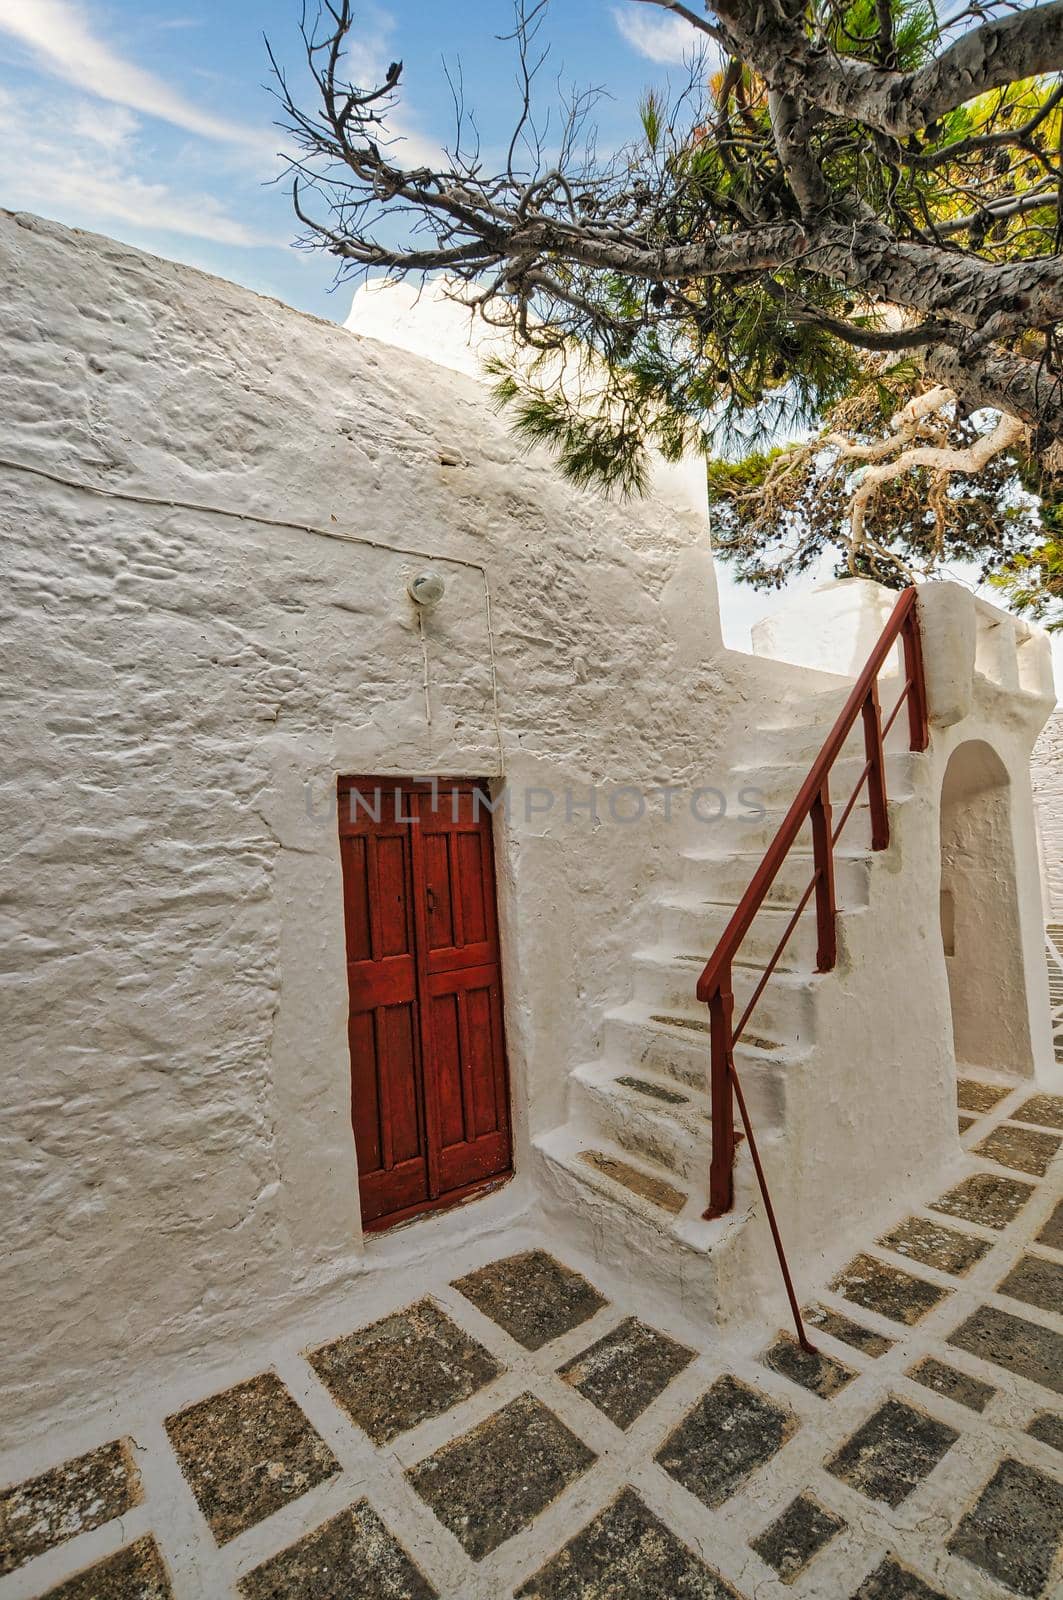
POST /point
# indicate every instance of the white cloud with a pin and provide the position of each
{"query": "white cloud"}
(111, 127)
(667, 40)
(61, 41)
(90, 180)
(99, 167)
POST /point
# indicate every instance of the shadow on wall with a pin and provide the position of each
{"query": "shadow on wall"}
(980, 913)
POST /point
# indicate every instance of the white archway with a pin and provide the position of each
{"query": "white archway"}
(980, 925)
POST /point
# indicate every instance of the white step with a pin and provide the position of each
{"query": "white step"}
(802, 740)
(775, 784)
(785, 1011)
(648, 1115)
(799, 741)
(726, 875)
(710, 1268)
(678, 1050)
(692, 926)
(754, 834)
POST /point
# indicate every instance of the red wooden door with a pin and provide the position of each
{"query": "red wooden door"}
(384, 1027)
(429, 1095)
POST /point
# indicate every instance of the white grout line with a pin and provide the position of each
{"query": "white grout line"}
(915, 1531)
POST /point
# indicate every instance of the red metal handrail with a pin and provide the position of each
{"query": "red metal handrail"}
(812, 804)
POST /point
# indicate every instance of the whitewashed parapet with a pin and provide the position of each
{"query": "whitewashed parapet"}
(972, 651)
(950, 640)
(978, 656)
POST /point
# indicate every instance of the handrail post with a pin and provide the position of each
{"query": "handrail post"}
(823, 858)
(876, 769)
(721, 1170)
(918, 721)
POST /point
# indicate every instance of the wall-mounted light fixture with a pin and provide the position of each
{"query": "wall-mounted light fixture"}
(426, 589)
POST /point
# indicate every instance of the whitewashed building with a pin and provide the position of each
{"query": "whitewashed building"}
(213, 512)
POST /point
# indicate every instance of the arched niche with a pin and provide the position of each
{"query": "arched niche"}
(980, 927)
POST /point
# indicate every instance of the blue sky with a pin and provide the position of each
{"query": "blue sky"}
(150, 120)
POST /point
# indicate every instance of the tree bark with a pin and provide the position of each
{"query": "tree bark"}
(1006, 382)
(1002, 51)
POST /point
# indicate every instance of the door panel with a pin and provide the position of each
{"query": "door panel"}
(466, 1027)
(476, 926)
(429, 1088)
(389, 889)
(481, 1006)
(437, 879)
(386, 1100)
(457, 880)
(365, 1092)
(445, 1023)
(403, 1141)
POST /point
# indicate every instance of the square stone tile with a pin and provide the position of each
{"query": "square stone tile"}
(354, 1548)
(1048, 1427)
(891, 1581)
(731, 1432)
(1037, 1281)
(849, 1332)
(1044, 1109)
(1052, 1232)
(892, 1452)
(625, 1372)
(1025, 1149)
(137, 1572)
(888, 1290)
(795, 1537)
(973, 1095)
(67, 1500)
(986, 1198)
(496, 1479)
(934, 1245)
(1015, 1528)
(1012, 1342)
(626, 1553)
(397, 1372)
(819, 1373)
(532, 1296)
(247, 1452)
(958, 1386)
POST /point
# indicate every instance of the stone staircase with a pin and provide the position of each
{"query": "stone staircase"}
(631, 1161)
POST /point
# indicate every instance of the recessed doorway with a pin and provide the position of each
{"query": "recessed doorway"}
(429, 1090)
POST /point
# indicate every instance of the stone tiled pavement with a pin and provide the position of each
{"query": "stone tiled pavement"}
(513, 1431)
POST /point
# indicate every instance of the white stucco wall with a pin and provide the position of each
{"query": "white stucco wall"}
(834, 629)
(433, 319)
(1046, 771)
(178, 1161)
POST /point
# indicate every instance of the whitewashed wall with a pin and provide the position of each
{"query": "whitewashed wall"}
(1046, 772)
(178, 1165)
